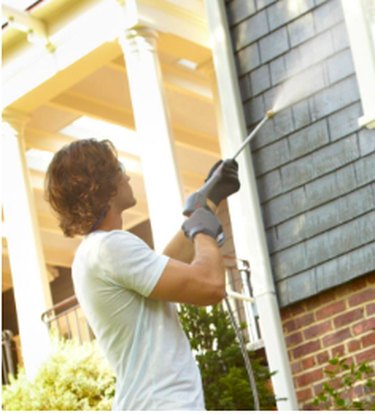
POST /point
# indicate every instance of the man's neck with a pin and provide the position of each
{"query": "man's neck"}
(112, 221)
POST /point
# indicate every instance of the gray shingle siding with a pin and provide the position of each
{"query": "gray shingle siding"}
(315, 167)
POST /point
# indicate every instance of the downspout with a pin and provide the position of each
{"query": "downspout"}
(244, 208)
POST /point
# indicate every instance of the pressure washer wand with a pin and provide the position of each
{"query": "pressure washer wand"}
(269, 114)
(199, 198)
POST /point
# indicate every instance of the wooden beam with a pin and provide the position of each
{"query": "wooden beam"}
(84, 105)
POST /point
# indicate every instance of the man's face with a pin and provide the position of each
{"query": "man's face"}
(124, 198)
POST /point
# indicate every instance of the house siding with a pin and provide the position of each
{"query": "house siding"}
(315, 167)
(315, 171)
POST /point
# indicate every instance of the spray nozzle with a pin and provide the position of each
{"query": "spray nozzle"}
(270, 114)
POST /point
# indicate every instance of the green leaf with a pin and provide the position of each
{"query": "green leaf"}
(340, 402)
(323, 398)
(358, 405)
(327, 387)
(348, 381)
(334, 361)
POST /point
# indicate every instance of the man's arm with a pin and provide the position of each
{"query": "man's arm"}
(180, 247)
(202, 282)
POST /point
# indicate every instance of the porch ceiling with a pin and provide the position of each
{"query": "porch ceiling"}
(100, 90)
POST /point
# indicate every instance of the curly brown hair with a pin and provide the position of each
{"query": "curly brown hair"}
(81, 179)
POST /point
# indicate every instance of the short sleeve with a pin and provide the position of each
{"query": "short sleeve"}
(130, 261)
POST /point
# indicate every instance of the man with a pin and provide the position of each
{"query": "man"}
(125, 289)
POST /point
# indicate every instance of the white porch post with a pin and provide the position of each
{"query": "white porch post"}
(162, 182)
(29, 274)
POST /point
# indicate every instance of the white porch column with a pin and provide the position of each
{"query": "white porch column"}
(162, 182)
(29, 274)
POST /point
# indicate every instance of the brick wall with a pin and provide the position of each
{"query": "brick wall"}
(338, 322)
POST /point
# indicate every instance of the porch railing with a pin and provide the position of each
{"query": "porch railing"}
(68, 321)
(9, 356)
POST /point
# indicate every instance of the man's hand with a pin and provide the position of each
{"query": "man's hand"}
(227, 184)
(203, 221)
(221, 182)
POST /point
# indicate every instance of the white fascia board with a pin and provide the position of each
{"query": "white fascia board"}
(178, 18)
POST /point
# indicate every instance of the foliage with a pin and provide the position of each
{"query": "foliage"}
(75, 377)
(225, 381)
(343, 380)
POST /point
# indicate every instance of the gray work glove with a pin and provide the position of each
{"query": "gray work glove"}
(227, 184)
(204, 221)
(221, 182)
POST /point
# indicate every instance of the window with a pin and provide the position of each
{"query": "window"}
(360, 22)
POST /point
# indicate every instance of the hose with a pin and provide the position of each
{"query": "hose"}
(245, 356)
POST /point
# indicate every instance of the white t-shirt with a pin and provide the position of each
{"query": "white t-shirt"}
(113, 273)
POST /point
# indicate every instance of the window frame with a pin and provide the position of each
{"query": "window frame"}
(363, 51)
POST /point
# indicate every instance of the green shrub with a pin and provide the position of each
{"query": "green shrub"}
(225, 380)
(75, 377)
(343, 381)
